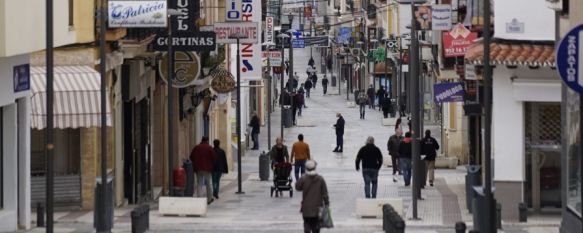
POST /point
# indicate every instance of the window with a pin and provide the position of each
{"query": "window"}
(573, 153)
(71, 14)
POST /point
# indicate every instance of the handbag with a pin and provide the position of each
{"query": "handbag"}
(326, 218)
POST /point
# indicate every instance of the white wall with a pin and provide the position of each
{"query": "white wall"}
(507, 129)
(23, 26)
(538, 19)
(7, 64)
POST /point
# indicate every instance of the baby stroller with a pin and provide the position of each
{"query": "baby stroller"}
(282, 179)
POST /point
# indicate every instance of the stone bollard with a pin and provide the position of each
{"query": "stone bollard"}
(40, 215)
(460, 227)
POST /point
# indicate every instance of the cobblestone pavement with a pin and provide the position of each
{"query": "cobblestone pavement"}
(256, 211)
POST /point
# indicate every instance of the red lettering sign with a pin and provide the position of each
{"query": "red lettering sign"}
(457, 46)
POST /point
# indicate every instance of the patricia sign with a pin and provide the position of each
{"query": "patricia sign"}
(449, 92)
(130, 14)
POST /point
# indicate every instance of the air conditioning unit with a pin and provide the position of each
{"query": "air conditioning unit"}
(556, 5)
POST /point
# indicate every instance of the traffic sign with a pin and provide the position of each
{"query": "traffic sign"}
(298, 44)
(569, 59)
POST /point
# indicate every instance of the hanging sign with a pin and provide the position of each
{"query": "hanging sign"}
(449, 92)
(457, 41)
(187, 21)
(441, 17)
(187, 41)
(137, 14)
(186, 69)
(269, 33)
(249, 29)
(423, 17)
(569, 59)
(233, 10)
(21, 75)
(250, 51)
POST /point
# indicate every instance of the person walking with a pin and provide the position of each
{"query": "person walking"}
(429, 147)
(295, 104)
(362, 100)
(372, 160)
(314, 197)
(325, 84)
(380, 96)
(339, 126)
(254, 124)
(405, 158)
(279, 152)
(295, 80)
(299, 103)
(203, 157)
(370, 93)
(386, 106)
(220, 167)
(308, 87)
(314, 78)
(393, 147)
(300, 154)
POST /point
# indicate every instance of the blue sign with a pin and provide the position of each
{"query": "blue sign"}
(298, 43)
(567, 57)
(449, 92)
(21, 77)
(344, 35)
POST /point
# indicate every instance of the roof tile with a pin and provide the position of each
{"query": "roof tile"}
(513, 54)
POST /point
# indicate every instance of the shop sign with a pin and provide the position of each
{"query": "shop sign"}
(21, 75)
(569, 59)
(457, 41)
(441, 17)
(223, 83)
(423, 17)
(186, 69)
(275, 58)
(344, 35)
(470, 72)
(187, 41)
(187, 21)
(137, 14)
(308, 11)
(233, 10)
(449, 92)
(317, 41)
(298, 43)
(269, 33)
(515, 26)
(249, 29)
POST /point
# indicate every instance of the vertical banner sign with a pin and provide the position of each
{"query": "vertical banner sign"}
(423, 17)
(250, 53)
(269, 30)
(457, 41)
(186, 21)
(233, 10)
(568, 56)
(441, 18)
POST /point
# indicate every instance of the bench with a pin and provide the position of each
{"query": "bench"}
(182, 206)
(366, 207)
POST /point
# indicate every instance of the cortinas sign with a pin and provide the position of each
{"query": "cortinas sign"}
(134, 14)
(185, 37)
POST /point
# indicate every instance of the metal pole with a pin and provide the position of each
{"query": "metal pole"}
(102, 69)
(269, 86)
(400, 76)
(240, 189)
(489, 212)
(49, 130)
(170, 108)
(281, 83)
(414, 95)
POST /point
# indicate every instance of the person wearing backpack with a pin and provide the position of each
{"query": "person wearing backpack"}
(429, 147)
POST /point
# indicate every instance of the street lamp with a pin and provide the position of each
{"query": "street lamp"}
(282, 37)
(238, 36)
(268, 46)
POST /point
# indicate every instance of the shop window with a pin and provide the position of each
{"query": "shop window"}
(573, 142)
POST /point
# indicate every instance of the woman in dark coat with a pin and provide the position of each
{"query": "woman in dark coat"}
(220, 167)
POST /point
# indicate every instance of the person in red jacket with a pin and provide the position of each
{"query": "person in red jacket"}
(203, 157)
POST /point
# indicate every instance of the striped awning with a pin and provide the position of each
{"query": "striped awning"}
(77, 102)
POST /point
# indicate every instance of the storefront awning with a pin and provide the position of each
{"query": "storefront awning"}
(77, 102)
(382, 69)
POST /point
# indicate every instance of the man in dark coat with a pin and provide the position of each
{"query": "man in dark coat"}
(380, 96)
(405, 158)
(339, 126)
(308, 87)
(429, 147)
(220, 167)
(203, 158)
(255, 126)
(314, 196)
(325, 84)
(372, 160)
(370, 93)
(314, 78)
(386, 105)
